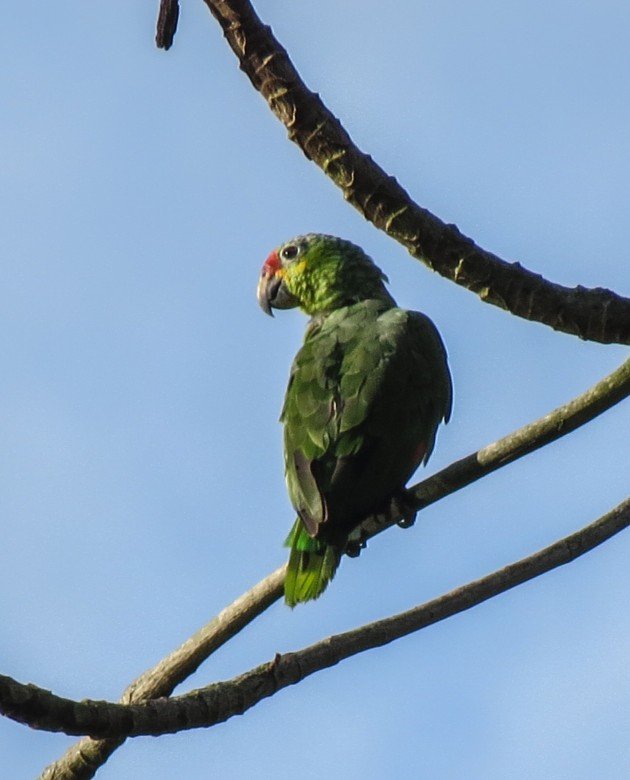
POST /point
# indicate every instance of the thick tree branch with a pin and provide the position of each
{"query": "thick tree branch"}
(84, 758)
(593, 314)
(217, 702)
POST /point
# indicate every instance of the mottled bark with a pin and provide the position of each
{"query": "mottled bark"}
(166, 26)
(83, 759)
(592, 314)
(217, 702)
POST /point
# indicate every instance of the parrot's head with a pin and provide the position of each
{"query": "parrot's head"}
(318, 273)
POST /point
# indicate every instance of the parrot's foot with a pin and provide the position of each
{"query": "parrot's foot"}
(402, 505)
(354, 547)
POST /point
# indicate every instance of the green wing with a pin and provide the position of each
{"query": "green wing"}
(366, 394)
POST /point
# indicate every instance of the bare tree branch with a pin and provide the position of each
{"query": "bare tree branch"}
(598, 315)
(166, 26)
(217, 702)
(593, 314)
(565, 419)
(84, 758)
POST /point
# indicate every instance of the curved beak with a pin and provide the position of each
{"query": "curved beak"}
(268, 286)
(272, 293)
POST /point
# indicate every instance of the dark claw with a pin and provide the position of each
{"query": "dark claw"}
(354, 547)
(406, 521)
(403, 505)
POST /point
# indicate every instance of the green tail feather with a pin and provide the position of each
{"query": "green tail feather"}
(312, 565)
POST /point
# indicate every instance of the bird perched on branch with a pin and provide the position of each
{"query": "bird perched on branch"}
(366, 393)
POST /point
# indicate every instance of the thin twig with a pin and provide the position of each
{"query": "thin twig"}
(217, 702)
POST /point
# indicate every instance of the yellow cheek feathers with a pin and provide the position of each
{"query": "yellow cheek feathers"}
(293, 275)
(293, 271)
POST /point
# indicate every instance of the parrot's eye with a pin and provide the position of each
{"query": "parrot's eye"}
(289, 252)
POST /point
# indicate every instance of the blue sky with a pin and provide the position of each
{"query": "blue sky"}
(141, 482)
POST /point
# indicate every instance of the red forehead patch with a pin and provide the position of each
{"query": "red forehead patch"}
(272, 263)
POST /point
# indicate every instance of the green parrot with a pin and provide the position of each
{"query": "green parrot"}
(366, 393)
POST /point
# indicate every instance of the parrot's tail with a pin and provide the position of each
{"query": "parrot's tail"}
(312, 565)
